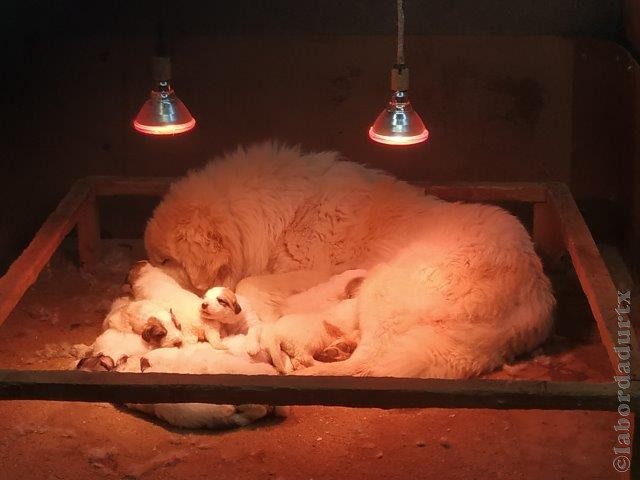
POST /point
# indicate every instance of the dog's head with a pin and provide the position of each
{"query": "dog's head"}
(194, 245)
(221, 304)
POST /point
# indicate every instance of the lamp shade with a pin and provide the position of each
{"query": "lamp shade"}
(399, 123)
(163, 114)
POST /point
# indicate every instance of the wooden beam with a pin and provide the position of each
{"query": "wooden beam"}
(593, 275)
(89, 241)
(25, 270)
(471, 192)
(109, 186)
(547, 238)
(526, 192)
(300, 390)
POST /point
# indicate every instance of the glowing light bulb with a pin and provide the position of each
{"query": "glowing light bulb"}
(399, 123)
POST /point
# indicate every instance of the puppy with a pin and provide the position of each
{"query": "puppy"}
(330, 335)
(324, 295)
(322, 320)
(112, 349)
(150, 283)
(201, 359)
(221, 306)
(144, 317)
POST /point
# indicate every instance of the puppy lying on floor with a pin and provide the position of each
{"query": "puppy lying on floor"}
(332, 335)
(201, 359)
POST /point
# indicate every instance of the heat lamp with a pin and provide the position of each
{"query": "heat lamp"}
(163, 113)
(399, 123)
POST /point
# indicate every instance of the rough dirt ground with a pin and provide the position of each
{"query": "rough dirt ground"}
(50, 440)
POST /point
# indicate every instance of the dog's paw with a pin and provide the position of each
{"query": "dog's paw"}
(336, 352)
(253, 347)
(218, 345)
(302, 361)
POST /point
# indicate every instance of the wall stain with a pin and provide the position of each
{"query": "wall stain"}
(342, 85)
(525, 99)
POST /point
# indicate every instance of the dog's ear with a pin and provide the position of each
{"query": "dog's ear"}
(352, 288)
(134, 272)
(122, 360)
(175, 321)
(228, 299)
(107, 362)
(144, 364)
(154, 331)
(332, 330)
(87, 363)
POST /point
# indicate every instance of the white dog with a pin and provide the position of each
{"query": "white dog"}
(452, 289)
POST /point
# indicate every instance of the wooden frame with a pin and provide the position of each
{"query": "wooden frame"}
(558, 227)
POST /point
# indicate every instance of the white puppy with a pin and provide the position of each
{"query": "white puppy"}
(323, 321)
(327, 294)
(201, 359)
(241, 320)
(151, 283)
(111, 349)
(314, 333)
(155, 324)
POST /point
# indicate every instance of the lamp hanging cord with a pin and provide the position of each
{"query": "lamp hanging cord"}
(400, 54)
(400, 72)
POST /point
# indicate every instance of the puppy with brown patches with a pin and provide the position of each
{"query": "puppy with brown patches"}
(155, 324)
(236, 315)
(112, 349)
(150, 283)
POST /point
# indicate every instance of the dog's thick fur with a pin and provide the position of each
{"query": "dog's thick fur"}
(452, 289)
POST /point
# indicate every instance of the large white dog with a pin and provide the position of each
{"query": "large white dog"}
(452, 290)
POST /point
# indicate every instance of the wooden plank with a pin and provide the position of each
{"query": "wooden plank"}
(464, 191)
(527, 192)
(300, 390)
(635, 447)
(481, 191)
(25, 270)
(546, 233)
(114, 186)
(593, 275)
(89, 241)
